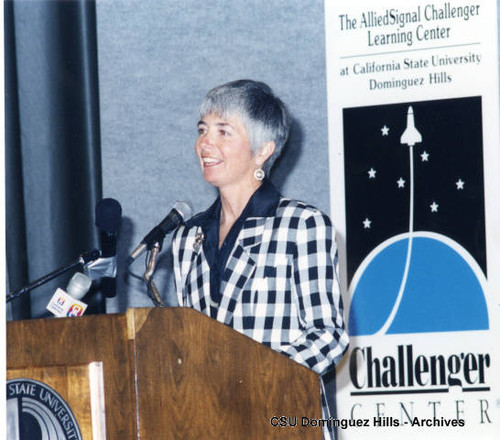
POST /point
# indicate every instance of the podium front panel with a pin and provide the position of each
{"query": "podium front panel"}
(199, 379)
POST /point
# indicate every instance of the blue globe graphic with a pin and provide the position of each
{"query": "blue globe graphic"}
(442, 292)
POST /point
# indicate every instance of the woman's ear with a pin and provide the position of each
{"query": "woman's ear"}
(265, 152)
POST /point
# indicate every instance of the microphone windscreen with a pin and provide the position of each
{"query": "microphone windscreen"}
(108, 215)
(184, 210)
(78, 285)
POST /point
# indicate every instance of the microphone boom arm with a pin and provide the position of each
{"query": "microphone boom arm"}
(83, 259)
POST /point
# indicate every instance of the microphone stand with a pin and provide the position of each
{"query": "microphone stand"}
(83, 259)
(153, 292)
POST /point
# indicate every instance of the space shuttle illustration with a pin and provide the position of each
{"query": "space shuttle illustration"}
(411, 135)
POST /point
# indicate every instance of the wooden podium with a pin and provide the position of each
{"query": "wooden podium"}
(174, 373)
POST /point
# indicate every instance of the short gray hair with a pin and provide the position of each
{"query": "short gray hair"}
(264, 115)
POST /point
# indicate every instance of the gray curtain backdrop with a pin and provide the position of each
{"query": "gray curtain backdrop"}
(53, 172)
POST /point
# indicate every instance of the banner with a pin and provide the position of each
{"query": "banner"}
(415, 165)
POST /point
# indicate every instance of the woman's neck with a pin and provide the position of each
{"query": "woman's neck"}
(233, 202)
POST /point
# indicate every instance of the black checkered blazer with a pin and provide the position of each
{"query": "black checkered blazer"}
(280, 285)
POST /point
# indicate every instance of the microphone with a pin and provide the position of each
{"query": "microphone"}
(64, 304)
(78, 285)
(179, 213)
(108, 217)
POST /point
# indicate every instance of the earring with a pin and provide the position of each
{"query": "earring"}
(259, 174)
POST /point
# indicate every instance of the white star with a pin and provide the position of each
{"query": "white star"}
(460, 184)
(401, 183)
(425, 156)
(434, 207)
(371, 173)
(385, 130)
(367, 223)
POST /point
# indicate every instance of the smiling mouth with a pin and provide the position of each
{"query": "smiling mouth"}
(210, 162)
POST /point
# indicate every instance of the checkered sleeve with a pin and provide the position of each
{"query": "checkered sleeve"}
(315, 276)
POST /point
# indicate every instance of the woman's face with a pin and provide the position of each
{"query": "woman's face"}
(224, 151)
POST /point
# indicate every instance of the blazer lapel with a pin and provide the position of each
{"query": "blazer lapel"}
(241, 265)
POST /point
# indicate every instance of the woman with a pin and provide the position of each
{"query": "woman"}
(260, 263)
